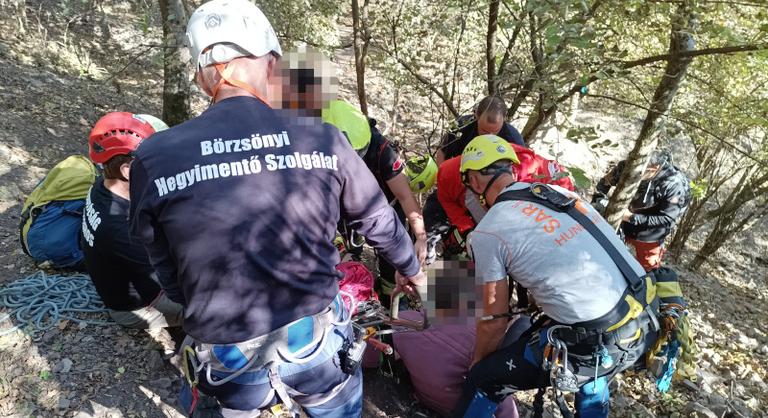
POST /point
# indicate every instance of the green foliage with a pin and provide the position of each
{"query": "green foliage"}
(305, 21)
(587, 133)
(437, 51)
(699, 188)
(144, 24)
(579, 177)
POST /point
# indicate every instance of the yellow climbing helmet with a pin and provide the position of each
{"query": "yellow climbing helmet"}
(421, 172)
(485, 150)
(351, 122)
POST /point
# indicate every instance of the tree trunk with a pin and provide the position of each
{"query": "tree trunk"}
(176, 83)
(360, 44)
(681, 39)
(521, 96)
(490, 41)
(539, 115)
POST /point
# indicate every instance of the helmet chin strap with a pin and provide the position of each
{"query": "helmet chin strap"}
(493, 179)
(225, 72)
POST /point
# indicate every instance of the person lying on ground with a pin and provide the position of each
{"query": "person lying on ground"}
(240, 206)
(302, 90)
(661, 199)
(577, 270)
(488, 118)
(438, 358)
(118, 265)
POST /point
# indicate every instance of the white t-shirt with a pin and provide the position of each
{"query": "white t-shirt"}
(566, 270)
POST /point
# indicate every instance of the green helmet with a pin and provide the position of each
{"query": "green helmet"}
(351, 122)
(421, 172)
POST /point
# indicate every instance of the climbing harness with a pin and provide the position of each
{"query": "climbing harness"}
(375, 321)
(641, 289)
(298, 342)
(42, 300)
(626, 323)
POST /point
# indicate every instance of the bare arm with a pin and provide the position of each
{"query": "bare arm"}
(402, 191)
(491, 332)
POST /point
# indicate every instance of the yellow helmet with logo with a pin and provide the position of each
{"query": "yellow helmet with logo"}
(421, 172)
(351, 122)
(485, 150)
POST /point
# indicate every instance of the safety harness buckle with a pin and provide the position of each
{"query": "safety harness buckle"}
(637, 287)
(545, 192)
(282, 390)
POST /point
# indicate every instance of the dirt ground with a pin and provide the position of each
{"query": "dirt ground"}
(63, 68)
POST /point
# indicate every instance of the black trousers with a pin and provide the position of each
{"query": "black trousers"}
(517, 366)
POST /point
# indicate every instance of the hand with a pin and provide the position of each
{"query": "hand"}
(410, 284)
(421, 248)
(627, 214)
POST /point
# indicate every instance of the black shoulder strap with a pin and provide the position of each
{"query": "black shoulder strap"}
(544, 195)
(22, 221)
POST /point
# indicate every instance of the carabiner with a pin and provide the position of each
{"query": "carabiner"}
(189, 358)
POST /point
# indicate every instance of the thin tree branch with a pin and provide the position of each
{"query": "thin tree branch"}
(731, 3)
(732, 49)
(490, 42)
(423, 80)
(316, 44)
(686, 122)
(510, 44)
(454, 79)
(657, 58)
(133, 60)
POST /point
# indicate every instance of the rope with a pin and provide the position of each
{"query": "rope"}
(41, 300)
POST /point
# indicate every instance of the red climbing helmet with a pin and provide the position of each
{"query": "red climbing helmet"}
(117, 133)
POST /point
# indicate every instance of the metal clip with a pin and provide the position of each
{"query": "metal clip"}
(564, 379)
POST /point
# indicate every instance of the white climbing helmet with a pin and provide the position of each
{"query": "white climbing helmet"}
(234, 28)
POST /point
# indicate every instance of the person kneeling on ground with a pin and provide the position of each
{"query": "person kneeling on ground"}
(598, 305)
(661, 199)
(119, 266)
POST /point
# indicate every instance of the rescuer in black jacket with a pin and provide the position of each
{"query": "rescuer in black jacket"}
(661, 199)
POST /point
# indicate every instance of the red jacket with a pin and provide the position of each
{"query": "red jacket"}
(450, 191)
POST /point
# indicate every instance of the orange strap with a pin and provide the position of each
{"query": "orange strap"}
(225, 73)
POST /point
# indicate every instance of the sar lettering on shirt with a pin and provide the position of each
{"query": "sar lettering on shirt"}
(118, 265)
(571, 276)
(240, 205)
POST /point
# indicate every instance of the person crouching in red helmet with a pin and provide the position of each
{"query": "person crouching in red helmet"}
(119, 266)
